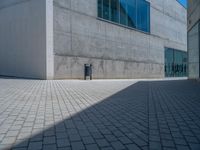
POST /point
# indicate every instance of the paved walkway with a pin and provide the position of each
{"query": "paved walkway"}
(107, 115)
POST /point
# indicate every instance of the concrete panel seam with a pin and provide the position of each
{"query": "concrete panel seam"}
(122, 60)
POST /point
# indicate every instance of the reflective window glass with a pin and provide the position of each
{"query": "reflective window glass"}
(169, 63)
(131, 13)
(178, 63)
(185, 61)
(123, 12)
(100, 8)
(142, 13)
(115, 11)
(106, 9)
(175, 63)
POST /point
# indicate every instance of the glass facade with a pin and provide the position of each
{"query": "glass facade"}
(175, 63)
(131, 13)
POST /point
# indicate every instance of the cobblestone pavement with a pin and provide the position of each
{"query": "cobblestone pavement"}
(92, 115)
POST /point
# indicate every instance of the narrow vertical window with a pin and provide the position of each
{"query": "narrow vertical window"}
(131, 11)
(100, 8)
(123, 12)
(115, 11)
(106, 9)
(142, 13)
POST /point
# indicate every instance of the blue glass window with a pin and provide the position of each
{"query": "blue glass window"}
(114, 11)
(131, 13)
(100, 8)
(106, 9)
(175, 63)
(123, 14)
(142, 15)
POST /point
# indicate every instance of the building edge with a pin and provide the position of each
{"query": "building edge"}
(49, 40)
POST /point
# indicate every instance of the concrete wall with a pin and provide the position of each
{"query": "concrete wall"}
(23, 40)
(169, 22)
(194, 38)
(114, 51)
(193, 51)
(193, 13)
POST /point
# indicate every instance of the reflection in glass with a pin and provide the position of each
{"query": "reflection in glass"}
(106, 9)
(115, 11)
(175, 63)
(100, 8)
(142, 15)
(123, 14)
(132, 13)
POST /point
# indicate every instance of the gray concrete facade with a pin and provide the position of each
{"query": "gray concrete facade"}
(26, 47)
(74, 36)
(194, 38)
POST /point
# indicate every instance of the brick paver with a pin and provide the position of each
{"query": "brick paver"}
(105, 115)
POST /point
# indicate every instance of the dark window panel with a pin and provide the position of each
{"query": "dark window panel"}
(169, 63)
(123, 12)
(106, 9)
(175, 63)
(100, 8)
(131, 11)
(142, 13)
(115, 11)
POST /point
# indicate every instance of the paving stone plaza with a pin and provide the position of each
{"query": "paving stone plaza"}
(106, 115)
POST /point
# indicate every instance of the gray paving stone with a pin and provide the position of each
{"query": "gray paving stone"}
(64, 148)
(20, 148)
(102, 143)
(180, 147)
(88, 140)
(190, 139)
(132, 147)
(125, 140)
(63, 143)
(35, 146)
(107, 148)
(8, 140)
(155, 145)
(12, 133)
(180, 141)
(77, 146)
(21, 144)
(49, 140)
(118, 145)
(111, 138)
(194, 146)
(168, 143)
(74, 138)
(154, 138)
(49, 147)
(62, 114)
(92, 147)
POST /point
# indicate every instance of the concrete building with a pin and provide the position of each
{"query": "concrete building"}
(194, 38)
(53, 39)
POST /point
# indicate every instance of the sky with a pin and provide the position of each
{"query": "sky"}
(183, 2)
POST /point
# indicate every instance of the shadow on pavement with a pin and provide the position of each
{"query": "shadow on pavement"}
(146, 115)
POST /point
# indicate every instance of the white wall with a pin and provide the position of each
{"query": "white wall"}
(23, 38)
